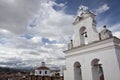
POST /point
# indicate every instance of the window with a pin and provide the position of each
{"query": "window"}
(45, 72)
(40, 72)
(77, 71)
(97, 70)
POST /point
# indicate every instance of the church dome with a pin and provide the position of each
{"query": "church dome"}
(43, 68)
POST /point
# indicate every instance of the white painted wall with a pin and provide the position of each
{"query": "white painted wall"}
(37, 72)
(92, 34)
(105, 51)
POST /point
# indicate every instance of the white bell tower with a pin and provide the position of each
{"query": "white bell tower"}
(92, 55)
(85, 29)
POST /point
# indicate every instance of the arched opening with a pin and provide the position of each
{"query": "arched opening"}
(45, 72)
(97, 70)
(77, 71)
(83, 35)
(40, 72)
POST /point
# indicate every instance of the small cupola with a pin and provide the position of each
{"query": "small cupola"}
(43, 64)
(105, 33)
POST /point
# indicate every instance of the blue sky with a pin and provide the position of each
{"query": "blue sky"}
(32, 31)
(112, 13)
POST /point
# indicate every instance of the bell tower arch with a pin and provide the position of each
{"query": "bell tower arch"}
(85, 29)
(83, 35)
(99, 59)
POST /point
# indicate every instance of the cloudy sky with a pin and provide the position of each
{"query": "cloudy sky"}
(32, 31)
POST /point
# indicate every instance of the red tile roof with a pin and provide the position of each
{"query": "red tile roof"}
(43, 68)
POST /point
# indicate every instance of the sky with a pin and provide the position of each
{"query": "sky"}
(32, 31)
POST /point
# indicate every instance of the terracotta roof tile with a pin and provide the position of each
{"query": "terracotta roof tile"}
(42, 68)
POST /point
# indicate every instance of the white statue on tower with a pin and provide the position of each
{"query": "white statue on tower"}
(83, 9)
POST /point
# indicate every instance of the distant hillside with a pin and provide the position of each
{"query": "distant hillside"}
(11, 70)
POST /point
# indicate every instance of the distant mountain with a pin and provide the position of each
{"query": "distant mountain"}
(12, 70)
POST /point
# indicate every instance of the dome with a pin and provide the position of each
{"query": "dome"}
(43, 68)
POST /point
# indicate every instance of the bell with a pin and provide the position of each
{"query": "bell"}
(85, 35)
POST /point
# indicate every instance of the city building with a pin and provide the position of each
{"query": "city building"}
(45, 73)
(42, 70)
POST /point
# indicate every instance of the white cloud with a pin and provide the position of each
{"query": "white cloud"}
(36, 39)
(4, 31)
(102, 9)
(51, 24)
(56, 26)
(117, 34)
(15, 14)
(9, 1)
(115, 27)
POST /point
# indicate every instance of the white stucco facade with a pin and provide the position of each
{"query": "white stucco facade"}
(44, 72)
(106, 50)
(87, 22)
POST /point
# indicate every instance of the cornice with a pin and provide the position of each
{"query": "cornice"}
(95, 46)
(90, 51)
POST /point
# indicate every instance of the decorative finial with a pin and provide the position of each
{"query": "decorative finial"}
(43, 64)
(71, 43)
(83, 9)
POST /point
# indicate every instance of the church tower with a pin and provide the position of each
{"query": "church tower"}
(92, 55)
(85, 29)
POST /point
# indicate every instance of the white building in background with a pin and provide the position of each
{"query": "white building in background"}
(46, 71)
(43, 70)
(92, 55)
